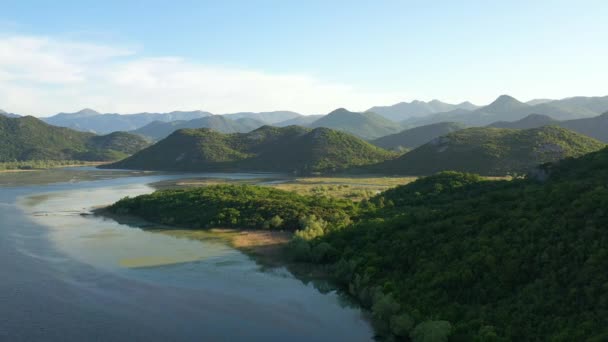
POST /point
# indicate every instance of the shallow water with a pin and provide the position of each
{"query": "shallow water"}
(69, 277)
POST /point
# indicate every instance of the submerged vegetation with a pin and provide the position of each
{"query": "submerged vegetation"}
(450, 255)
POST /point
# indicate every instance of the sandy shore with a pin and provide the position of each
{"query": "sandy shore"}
(266, 246)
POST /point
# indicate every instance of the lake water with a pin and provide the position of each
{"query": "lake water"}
(69, 277)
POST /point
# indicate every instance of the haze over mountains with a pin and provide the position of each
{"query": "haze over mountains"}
(507, 108)
(376, 122)
(414, 137)
(426, 121)
(405, 110)
(8, 115)
(595, 127)
(88, 120)
(157, 130)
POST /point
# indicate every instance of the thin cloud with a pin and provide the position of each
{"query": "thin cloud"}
(42, 76)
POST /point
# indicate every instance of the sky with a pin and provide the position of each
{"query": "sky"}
(306, 56)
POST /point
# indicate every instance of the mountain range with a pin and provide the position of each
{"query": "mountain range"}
(88, 120)
(507, 108)
(492, 151)
(287, 149)
(414, 137)
(405, 110)
(8, 115)
(365, 125)
(157, 130)
(377, 122)
(28, 138)
(266, 117)
(304, 120)
(595, 127)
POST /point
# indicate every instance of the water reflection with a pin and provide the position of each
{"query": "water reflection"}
(174, 286)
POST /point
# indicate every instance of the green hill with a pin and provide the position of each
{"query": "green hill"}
(287, 149)
(364, 125)
(28, 139)
(492, 151)
(158, 130)
(414, 137)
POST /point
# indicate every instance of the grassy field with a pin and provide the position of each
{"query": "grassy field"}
(354, 188)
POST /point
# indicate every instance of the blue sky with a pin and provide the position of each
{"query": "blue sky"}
(307, 56)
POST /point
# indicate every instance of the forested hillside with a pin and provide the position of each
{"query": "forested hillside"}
(289, 149)
(519, 260)
(492, 151)
(414, 137)
(29, 139)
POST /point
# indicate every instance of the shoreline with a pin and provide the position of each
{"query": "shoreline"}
(265, 247)
(17, 170)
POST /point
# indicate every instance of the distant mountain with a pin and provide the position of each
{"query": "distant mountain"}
(88, 120)
(27, 138)
(530, 121)
(267, 117)
(595, 105)
(159, 130)
(414, 137)
(492, 151)
(8, 115)
(538, 101)
(304, 120)
(595, 127)
(287, 149)
(507, 108)
(406, 110)
(364, 125)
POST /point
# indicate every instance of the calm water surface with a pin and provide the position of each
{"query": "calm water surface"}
(69, 277)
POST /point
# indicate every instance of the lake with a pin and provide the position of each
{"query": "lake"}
(73, 277)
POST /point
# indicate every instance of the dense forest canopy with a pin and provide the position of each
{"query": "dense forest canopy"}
(241, 206)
